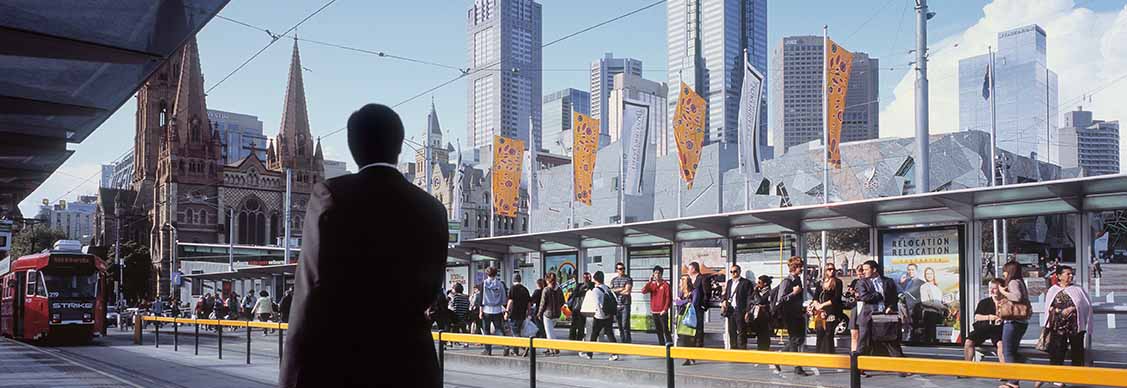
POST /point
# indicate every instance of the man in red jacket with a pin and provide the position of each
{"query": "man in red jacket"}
(660, 298)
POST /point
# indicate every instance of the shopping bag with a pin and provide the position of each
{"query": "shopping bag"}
(685, 330)
(529, 329)
(690, 318)
(590, 303)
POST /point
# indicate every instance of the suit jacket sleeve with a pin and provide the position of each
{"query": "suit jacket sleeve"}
(309, 312)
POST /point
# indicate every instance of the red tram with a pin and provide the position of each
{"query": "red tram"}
(57, 294)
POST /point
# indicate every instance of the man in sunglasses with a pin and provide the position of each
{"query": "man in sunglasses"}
(621, 285)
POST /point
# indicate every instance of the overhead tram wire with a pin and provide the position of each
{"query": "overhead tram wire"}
(498, 62)
(341, 46)
(273, 39)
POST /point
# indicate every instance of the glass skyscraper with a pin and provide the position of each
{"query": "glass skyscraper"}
(706, 39)
(1027, 111)
(603, 71)
(558, 108)
(504, 85)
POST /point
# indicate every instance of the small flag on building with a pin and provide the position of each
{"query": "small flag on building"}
(986, 84)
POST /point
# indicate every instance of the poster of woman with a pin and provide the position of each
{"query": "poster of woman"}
(925, 265)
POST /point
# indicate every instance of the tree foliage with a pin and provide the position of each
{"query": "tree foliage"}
(35, 238)
(138, 272)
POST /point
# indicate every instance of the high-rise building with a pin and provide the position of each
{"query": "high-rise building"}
(706, 43)
(241, 135)
(504, 85)
(603, 71)
(119, 173)
(635, 89)
(1089, 144)
(75, 218)
(335, 168)
(1026, 106)
(558, 109)
(796, 112)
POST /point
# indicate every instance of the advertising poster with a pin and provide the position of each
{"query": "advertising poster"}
(713, 265)
(458, 274)
(641, 261)
(924, 263)
(566, 270)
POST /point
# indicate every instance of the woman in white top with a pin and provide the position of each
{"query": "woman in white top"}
(929, 291)
(263, 309)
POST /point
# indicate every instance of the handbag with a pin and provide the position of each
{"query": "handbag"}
(1045, 339)
(885, 327)
(690, 318)
(1014, 311)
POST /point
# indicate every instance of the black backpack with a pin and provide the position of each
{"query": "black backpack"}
(610, 303)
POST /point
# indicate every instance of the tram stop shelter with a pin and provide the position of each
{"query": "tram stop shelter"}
(949, 233)
(274, 278)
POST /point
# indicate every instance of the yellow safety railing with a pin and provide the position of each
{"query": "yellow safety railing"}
(217, 323)
(1024, 372)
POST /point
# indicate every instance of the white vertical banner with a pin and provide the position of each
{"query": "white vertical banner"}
(459, 178)
(636, 129)
(533, 168)
(751, 97)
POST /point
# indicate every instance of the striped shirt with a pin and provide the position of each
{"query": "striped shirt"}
(460, 305)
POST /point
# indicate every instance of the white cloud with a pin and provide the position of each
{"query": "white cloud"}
(1086, 49)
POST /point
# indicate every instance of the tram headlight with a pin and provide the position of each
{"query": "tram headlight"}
(87, 317)
(56, 318)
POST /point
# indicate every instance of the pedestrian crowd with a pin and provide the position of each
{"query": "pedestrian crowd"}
(872, 308)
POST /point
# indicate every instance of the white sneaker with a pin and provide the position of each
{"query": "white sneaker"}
(585, 355)
(614, 357)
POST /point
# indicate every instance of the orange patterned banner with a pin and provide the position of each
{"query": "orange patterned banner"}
(507, 157)
(585, 138)
(688, 128)
(838, 65)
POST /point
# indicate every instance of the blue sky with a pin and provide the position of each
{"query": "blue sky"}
(338, 81)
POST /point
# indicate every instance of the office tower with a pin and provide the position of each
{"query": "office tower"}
(241, 135)
(504, 85)
(558, 109)
(1089, 144)
(603, 71)
(632, 88)
(797, 83)
(706, 41)
(1026, 106)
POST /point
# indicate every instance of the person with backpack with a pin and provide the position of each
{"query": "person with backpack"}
(787, 308)
(578, 330)
(606, 308)
(493, 299)
(516, 311)
(551, 305)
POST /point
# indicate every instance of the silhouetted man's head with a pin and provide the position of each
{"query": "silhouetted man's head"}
(375, 134)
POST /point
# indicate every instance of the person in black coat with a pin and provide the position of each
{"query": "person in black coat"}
(826, 308)
(736, 292)
(759, 302)
(788, 305)
(879, 296)
(360, 227)
(578, 330)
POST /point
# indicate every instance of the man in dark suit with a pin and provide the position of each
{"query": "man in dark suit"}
(879, 295)
(358, 227)
(736, 293)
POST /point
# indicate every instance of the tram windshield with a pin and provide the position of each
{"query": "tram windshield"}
(71, 285)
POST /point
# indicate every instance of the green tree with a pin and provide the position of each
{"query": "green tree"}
(849, 242)
(138, 272)
(35, 238)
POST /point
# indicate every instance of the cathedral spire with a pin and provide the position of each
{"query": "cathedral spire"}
(189, 110)
(294, 136)
(317, 154)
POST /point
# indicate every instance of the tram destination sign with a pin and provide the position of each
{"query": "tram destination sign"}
(71, 261)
